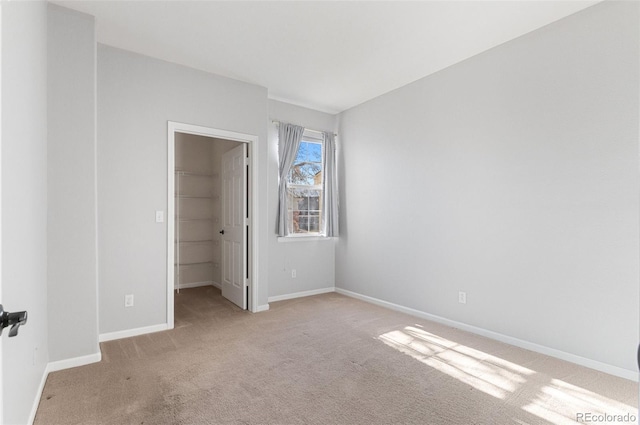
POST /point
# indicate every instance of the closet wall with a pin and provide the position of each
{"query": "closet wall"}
(198, 209)
(197, 252)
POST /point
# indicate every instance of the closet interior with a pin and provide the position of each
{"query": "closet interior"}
(198, 210)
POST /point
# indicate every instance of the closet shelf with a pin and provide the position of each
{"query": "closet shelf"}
(196, 174)
(196, 264)
(203, 242)
(189, 220)
(195, 197)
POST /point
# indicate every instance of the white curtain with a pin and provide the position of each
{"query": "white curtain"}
(289, 137)
(330, 183)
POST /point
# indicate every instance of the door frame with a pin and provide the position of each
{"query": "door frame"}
(252, 208)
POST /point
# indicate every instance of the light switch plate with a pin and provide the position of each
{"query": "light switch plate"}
(159, 216)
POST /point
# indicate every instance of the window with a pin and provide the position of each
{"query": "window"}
(304, 188)
(308, 184)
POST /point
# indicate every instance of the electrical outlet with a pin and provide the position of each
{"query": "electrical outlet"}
(293, 273)
(128, 300)
(462, 297)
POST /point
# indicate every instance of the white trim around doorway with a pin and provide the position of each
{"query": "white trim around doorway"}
(252, 143)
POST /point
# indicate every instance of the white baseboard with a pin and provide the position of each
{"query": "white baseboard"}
(36, 400)
(263, 307)
(54, 367)
(301, 294)
(132, 332)
(74, 362)
(552, 352)
(198, 284)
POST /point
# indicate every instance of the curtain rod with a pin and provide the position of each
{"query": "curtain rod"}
(309, 129)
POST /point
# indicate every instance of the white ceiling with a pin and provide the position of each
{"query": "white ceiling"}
(325, 55)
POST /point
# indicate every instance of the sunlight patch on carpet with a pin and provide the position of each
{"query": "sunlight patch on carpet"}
(556, 401)
(489, 374)
(560, 402)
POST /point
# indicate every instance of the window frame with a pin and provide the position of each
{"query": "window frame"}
(309, 136)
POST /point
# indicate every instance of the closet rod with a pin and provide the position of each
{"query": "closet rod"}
(308, 129)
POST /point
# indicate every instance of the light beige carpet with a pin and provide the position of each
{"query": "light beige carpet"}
(327, 359)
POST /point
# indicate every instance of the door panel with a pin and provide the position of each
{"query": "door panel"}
(234, 229)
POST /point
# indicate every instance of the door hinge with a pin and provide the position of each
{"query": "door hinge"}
(246, 161)
(246, 221)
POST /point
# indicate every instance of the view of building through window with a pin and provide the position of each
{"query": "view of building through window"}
(305, 189)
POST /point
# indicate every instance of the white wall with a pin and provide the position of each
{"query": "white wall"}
(512, 176)
(72, 214)
(313, 260)
(24, 201)
(137, 95)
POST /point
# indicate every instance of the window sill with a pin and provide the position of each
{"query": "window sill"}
(314, 238)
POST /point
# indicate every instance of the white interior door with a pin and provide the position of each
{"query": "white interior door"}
(234, 226)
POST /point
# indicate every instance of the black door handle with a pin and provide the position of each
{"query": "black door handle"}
(222, 232)
(12, 319)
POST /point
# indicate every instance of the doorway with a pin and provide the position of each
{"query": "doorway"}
(210, 219)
